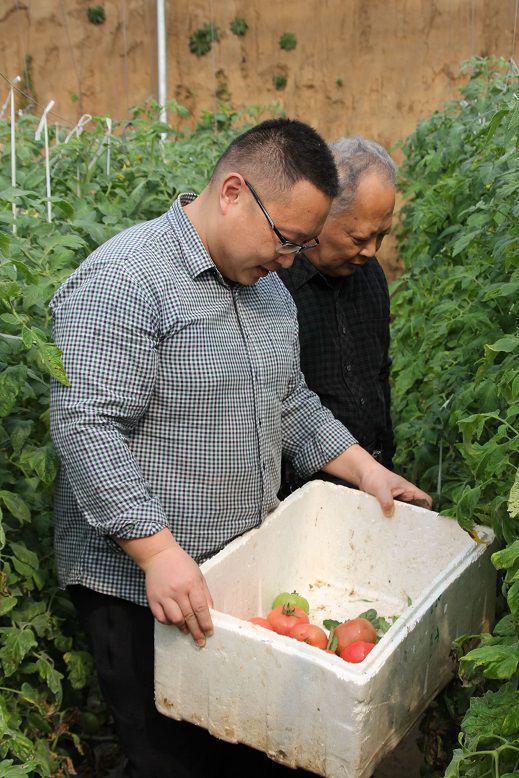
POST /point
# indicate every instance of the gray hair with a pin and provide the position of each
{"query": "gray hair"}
(354, 157)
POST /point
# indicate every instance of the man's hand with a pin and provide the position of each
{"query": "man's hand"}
(358, 467)
(385, 486)
(175, 587)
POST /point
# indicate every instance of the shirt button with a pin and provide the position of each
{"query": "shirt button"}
(362, 401)
(343, 330)
(348, 367)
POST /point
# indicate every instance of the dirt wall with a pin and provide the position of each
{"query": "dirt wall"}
(369, 67)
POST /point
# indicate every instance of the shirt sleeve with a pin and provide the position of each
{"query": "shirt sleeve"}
(107, 329)
(312, 436)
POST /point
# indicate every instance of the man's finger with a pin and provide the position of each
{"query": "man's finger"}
(421, 503)
(385, 498)
(174, 615)
(200, 607)
(191, 620)
(158, 613)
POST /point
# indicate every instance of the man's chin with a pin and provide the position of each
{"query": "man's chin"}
(344, 270)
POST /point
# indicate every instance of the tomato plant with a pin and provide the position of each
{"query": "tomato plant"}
(456, 381)
(357, 651)
(284, 617)
(309, 633)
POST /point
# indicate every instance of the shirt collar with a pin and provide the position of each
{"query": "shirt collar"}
(195, 254)
(303, 271)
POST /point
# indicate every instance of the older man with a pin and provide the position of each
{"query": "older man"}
(343, 304)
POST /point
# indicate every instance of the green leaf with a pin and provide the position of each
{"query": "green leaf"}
(465, 240)
(330, 624)
(507, 344)
(487, 715)
(27, 337)
(51, 358)
(511, 721)
(506, 558)
(7, 603)
(16, 506)
(513, 499)
(379, 623)
(80, 666)
(9, 388)
(17, 644)
(9, 770)
(25, 555)
(9, 318)
(20, 432)
(51, 676)
(512, 598)
(42, 461)
(505, 627)
(70, 241)
(494, 661)
(4, 243)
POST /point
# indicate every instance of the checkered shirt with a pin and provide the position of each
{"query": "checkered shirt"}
(185, 391)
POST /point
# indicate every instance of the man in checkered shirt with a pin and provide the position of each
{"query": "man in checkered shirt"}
(180, 344)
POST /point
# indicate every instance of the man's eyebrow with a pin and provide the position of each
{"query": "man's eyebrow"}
(356, 236)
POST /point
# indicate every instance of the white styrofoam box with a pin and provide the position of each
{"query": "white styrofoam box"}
(302, 706)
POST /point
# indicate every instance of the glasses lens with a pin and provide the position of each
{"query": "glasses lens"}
(312, 245)
(287, 248)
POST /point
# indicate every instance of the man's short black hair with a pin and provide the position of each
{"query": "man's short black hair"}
(277, 154)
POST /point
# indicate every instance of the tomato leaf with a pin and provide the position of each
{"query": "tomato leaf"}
(497, 661)
(16, 506)
(513, 499)
(330, 624)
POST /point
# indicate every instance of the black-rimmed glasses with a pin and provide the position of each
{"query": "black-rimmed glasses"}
(286, 246)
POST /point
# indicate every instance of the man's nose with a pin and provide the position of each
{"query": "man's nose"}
(369, 249)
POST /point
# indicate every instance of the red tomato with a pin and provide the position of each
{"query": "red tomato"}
(357, 651)
(352, 631)
(309, 633)
(284, 617)
(261, 622)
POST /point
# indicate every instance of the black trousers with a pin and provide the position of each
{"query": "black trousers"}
(121, 638)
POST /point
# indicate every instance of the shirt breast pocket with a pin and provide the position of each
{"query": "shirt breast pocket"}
(275, 357)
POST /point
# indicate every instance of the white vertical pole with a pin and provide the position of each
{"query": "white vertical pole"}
(13, 148)
(44, 127)
(161, 60)
(108, 142)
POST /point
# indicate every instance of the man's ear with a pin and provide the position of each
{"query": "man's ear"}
(231, 188)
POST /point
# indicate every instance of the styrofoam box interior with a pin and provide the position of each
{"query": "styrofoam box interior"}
(303, 707)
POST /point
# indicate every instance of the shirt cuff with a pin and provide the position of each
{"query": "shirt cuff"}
(326, 444)
(142, 520)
